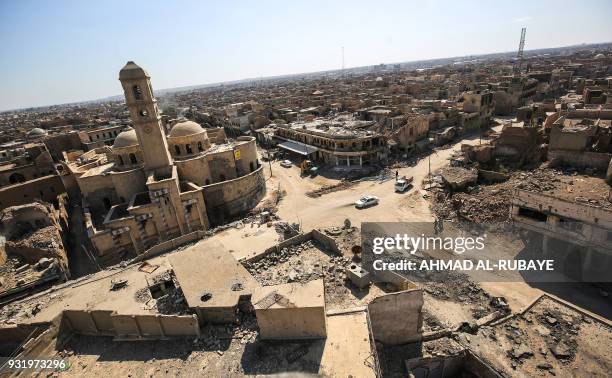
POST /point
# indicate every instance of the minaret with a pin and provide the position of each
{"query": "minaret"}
(145, 116)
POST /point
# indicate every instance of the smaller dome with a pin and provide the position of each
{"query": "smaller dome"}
(127, 138)
(37, 132)
(185, 128)
(600, 56)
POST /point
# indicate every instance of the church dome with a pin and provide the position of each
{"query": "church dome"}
(36, 132)
(185, 129)
(127, 138)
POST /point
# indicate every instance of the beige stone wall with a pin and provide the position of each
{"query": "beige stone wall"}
(45, 188)
(128, 183)
(222, 166)
(97, 189)
(292, 323)
(195, 170)
(231, 198)
(245, 154)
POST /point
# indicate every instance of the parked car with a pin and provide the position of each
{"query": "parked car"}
(286, 163)
(366, 201)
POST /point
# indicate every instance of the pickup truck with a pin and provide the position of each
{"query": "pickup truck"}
(403, 183)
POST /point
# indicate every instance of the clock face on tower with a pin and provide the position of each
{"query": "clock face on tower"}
(147, 129)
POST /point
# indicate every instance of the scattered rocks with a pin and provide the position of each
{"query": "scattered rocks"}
(521, 352)
(561, 351)
(544, 366)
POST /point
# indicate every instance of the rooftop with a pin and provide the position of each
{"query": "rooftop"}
(338, 127)
(222, 272)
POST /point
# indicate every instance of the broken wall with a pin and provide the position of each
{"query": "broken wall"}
(577, 159)
(292, 323)
(397, 318)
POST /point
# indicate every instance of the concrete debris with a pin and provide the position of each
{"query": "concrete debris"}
(561, 351)
(172, 303)
(119, 284)
(457, 178)
(142, 295)
(521, 352)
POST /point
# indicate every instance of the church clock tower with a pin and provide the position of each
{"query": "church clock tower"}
(145, 116)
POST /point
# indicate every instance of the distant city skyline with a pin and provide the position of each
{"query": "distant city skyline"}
(71, 51)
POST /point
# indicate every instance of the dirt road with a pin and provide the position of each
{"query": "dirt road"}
(331, 209)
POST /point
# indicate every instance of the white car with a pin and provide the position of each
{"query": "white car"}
(366, 201)
(286, 163)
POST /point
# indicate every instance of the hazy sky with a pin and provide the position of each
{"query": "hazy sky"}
(66, 51)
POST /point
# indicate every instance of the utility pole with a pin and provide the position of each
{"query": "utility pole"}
(342, 61)
(519, 54)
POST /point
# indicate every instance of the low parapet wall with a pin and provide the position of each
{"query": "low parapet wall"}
(121, 326)
(326, 241)
(169, 245)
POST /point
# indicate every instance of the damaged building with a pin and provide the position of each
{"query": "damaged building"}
(32, 252)
(150, 187)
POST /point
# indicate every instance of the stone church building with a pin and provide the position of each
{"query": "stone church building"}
(150, 188)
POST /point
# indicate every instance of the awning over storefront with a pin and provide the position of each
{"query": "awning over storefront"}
(298, 148)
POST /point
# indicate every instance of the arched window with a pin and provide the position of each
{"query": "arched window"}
(221, 177)
(137, 92)
(143, 113)
(252, 165)
(121, 160)
(200, 148)
(133, 159)
(177, 149)
(207, 182)
(188, 148)
(107, 203)
(16, 177)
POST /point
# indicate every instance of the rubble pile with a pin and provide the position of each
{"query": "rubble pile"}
(560, 332)
(216, 337)
(173, 301)
(286, 230)
(274, 258)
(491, 203)
(268, 270)
(459, 289)
(458, 178)
(485, 204)
(344, 184)
(270, 204)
